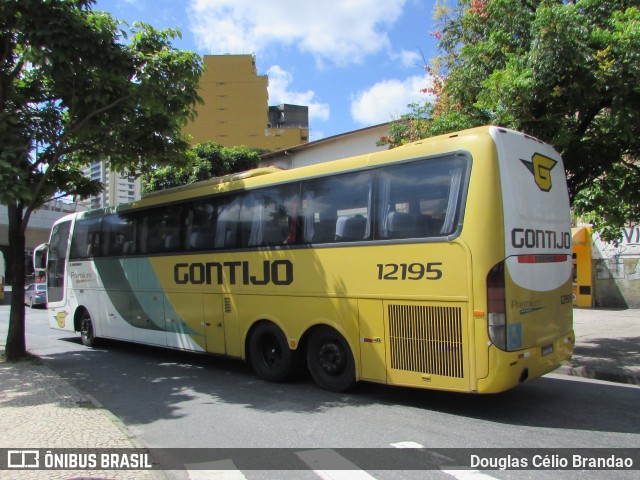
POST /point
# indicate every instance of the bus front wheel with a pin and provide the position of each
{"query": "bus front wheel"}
(86, 330)
(330, 361)
(269, 353)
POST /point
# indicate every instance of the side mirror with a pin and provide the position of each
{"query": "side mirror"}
(40, 258)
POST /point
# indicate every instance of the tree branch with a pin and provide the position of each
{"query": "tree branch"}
(631, 164)
(84, 121)
(62, 140)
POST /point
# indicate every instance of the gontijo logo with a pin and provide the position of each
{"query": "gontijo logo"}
(541, 166)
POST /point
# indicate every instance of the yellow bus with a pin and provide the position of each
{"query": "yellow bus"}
(441, 264)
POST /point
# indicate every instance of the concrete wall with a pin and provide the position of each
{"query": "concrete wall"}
(616, 271)
(37, 232)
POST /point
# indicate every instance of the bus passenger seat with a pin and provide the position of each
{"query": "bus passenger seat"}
(400, 225)
(200, 240)
(351, 228)
(127, 248)
(424, 226)
(171, 242)
(273, 235)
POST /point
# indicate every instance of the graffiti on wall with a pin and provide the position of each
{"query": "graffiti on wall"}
(618, 261)
(628, 246)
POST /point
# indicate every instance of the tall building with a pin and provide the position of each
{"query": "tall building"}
(236, 108)
(235, 112)
(117, 188)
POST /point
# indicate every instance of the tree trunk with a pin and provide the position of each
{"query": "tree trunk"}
(16, 346)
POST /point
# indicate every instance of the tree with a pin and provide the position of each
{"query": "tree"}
(206, 160)
(567, 72)
(71, 93)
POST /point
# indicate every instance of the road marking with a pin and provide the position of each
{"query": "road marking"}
(316, 459)
(468, 475)
(459, 474)
(407, 445)
(324, 462)
(218, 470)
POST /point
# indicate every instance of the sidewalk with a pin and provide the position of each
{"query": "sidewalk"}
(39, 409)
(607, 345)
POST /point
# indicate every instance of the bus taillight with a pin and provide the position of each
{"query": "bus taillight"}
(496, 307)
(554, 258)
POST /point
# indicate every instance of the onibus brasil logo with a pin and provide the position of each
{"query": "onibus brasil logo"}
(541, 166)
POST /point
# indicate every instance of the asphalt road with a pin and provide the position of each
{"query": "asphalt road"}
(174, 399)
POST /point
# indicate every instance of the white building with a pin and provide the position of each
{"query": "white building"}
(358, 142)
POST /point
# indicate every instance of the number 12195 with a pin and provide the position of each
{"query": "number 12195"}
(409, 271)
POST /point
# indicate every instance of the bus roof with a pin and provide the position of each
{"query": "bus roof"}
(233, 177)
(273, 175)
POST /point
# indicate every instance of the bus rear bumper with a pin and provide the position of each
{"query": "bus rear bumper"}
(509, 369)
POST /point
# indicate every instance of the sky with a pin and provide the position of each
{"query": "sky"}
(354, 63)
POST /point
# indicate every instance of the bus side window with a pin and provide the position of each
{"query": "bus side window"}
(79, 241)
(173, 229)
(201, 225)
(336, 209)
(118, 235)
(419, 200)
(93, 244)
(161, 230)
(268, 217)
(227, 223)
(86, 239)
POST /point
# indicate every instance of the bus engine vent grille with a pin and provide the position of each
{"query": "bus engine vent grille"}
(426, 339)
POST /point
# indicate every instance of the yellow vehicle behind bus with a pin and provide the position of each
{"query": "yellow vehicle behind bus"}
(444, 264)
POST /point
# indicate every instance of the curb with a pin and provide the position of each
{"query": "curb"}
(595, 374)
(155, 474)
(60, 391)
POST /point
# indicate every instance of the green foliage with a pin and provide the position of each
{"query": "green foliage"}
(565, 72)
(206, 160)
(73, 91)
(611, 201)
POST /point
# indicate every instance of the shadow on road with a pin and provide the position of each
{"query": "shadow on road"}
(613, 359)
(142, 384)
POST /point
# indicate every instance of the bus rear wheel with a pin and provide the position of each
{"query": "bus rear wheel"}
(330, 361)
(86, 330)
(269, 353)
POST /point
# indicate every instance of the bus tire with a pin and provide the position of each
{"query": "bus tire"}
(269, 353)
(86, 330)
(330, 360)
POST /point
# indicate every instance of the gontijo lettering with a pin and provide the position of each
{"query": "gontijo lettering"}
(278, 272)
(533, 238)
